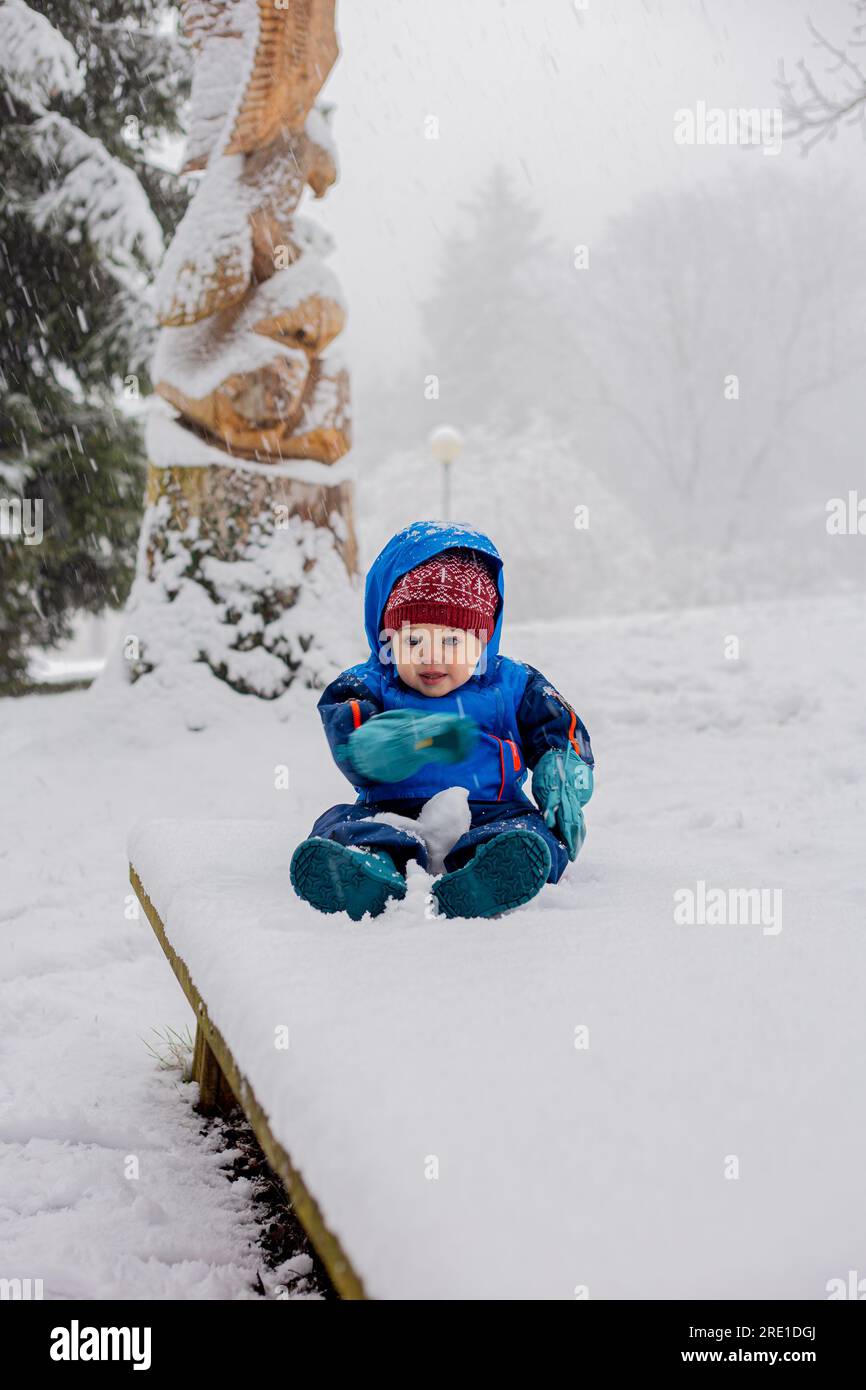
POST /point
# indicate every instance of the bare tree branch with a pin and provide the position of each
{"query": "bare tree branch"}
(815, 108)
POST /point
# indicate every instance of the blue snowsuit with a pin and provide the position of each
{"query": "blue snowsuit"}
(519, 713)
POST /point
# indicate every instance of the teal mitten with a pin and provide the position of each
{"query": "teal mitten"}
(562, 785)
(393, 745)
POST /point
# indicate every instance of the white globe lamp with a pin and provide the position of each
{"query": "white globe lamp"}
(445, 444)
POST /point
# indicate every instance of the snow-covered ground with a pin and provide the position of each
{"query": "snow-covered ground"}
(560, 1165)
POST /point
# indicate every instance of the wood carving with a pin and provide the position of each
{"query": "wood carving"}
(242, 265)
(248, 521)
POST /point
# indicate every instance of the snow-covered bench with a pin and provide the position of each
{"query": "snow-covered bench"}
(584, 1098)
(221, 1081)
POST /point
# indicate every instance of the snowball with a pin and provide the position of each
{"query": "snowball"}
(443, 819)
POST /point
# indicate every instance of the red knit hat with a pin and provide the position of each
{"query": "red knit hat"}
(454, 589)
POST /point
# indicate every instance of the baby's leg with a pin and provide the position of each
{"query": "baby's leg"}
(502, 872)
(351, 863)
(353, 825)
(492, 818)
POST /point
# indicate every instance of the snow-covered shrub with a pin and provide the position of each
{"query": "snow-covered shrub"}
(261, 603)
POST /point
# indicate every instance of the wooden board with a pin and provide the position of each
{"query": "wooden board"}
(217, 1070)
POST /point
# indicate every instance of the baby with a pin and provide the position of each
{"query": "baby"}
(436, 706)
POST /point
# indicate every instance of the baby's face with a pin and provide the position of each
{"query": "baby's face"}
(433, 659)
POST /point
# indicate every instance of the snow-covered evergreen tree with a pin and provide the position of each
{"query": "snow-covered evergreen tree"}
(499, 322)
(86, 92)
(501, 328)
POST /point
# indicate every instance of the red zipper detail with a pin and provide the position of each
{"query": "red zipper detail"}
(502, 765)
(571, 734)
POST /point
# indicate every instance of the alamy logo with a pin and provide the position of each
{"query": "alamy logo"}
(14, 1290)
(853, 1287)
(713, 125)
(736, 907)
(846, 516)
(76, 1343)
(435, 652)
(21, 519)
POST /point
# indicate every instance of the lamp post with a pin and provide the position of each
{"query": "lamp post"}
(445, 444)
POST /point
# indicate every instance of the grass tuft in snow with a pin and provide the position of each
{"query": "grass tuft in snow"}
(173, 1052)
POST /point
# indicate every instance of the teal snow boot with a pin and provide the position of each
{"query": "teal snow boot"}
(334, 878)
(504, 872)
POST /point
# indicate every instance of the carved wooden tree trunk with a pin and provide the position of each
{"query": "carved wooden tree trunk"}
(249, 507)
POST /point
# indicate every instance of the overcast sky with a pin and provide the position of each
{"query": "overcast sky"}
(577, 104)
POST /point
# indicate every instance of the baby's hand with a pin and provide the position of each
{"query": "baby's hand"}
(562, 785)
(394, 745)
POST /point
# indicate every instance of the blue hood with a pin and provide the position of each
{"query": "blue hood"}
(412, 546)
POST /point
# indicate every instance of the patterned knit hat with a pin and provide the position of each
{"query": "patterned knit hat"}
(454, 589)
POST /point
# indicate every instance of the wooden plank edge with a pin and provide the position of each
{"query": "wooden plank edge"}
(327, 1246)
